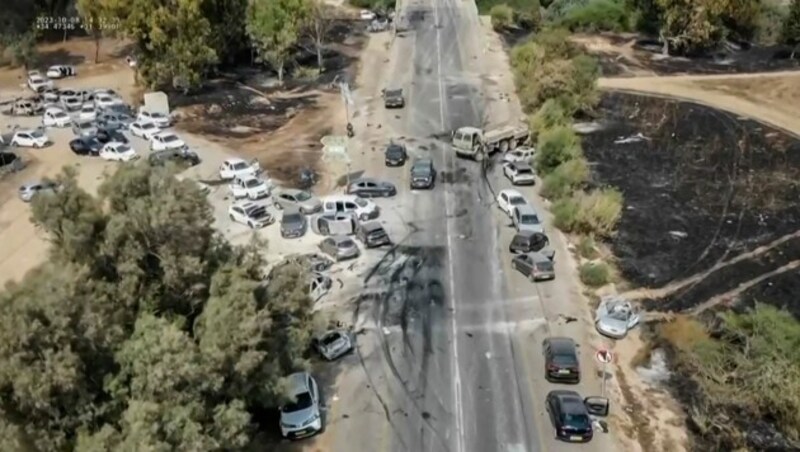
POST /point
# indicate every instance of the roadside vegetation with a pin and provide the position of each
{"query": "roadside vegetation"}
(145, 330)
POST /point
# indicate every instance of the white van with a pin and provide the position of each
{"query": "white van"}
(364, 209)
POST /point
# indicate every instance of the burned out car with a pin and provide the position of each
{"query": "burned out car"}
(615, 317)
(334, 344)
(336, 223)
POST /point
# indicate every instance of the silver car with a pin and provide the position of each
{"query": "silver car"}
(301, 416)
(525, 218)
(340, 247)
(303, 200)
(615, 317)
(31, 189)
(536, 266)
(334, 344)
(293, 223)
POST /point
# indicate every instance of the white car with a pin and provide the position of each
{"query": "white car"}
(88, 112)
(103, 100)
(519, 173)
(166, 140)
(61, 72)
(249, 187)
(119, 152)
(56, 117)
(159, 119)
(249, 213)
(508, 200)
(520, 154)
(144, 130)
(236, 167)
(30, 139)
(366, 14)
(362, 208)
(37, 83)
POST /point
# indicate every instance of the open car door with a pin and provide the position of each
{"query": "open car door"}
(597, 406)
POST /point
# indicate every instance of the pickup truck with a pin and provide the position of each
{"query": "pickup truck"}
(475, 143)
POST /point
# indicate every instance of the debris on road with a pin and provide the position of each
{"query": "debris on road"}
(636, 138)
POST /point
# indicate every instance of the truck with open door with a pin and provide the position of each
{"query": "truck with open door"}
(475, 143)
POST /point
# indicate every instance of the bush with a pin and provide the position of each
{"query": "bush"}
(791, 25)
(596, 212)
(556, 146)
(587, 248)
(565, 179)
(553, 113)
(558, 9)
(595, 274)
(770, 22)
(599, 15)
(528, 14)
(582, 90)
(502, 17)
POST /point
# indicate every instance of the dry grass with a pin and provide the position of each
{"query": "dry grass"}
(683, 332)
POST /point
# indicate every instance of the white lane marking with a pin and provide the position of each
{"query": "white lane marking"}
(451, 276)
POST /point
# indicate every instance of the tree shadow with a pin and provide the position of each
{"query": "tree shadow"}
(60, 57)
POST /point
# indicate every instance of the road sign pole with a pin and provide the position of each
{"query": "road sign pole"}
(603, 384)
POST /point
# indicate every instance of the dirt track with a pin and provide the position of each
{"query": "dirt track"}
(772, 98)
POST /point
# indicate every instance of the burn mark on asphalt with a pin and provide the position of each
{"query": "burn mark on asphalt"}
(459, 176)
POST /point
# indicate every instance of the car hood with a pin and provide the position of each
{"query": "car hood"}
(311, 204)
(612, 325)
(292, 225)
(298, 418)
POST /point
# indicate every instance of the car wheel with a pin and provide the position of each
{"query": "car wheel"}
(231, 217)
(252, 226)
(252, 196)
(531, 278)
(363, 217)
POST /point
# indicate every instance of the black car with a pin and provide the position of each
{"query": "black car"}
(86, 145)
(527, 241)
(293, 224)
(106, 135)
(395, 155)
(569, 416)
(561, 360)
(371, 188)
(372, 234)
(393, 98)
(423, 175)
(179, 156)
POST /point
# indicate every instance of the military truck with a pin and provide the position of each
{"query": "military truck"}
(475, 143)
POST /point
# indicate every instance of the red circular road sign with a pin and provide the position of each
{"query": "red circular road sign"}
(604, 356)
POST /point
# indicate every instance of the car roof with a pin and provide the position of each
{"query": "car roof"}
(54, 110)
(364, 179)
(563, 394)
(522, 165)
(422, 160)
(526, 209)
(335, 198)
(394, 91)
(511, 193)
(538, 257)
(234, 161)
(297, 383)
(561, 344)
(340, 238)
(371, 226)
(526, 233)
(291, 210)
(291, 191)
(245, 204)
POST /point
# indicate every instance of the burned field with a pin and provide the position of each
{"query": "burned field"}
(712, 202)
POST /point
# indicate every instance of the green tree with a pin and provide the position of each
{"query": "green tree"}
(697, 25)
(92, 12)
(502, 17)
(556, 146)
(274, 27)
(228, 28)
(791, 26)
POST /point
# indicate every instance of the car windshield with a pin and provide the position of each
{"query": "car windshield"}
(580, 421)
(239, 166)
(330, 339)
(544, 266)
(301, 402)
(60, 115)
(517, 201)
(123, 148)
(293, 218)
(250, 183)
(345, 244)
(530, 219)
(360, 202)
(565, 360)
(258, 212)
(37, 134)
(420, 169)
(394, 93)
(148, 125)
(524, 171)
(87, 108)
(395, 150)
(302, 196)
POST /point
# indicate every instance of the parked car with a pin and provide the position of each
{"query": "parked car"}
(159, 119)
(423, 175)
(178, 156)
(249, 187)
(166, 140)
(520, 154)
(293, 223)
(86, 146)
(519, 173)
(334, 223)
(366, 14)
(56, 117)
(301, 417)
(527, 241)
(315, 262)
(301, 199)
(249, 213)
(561, 360)
(26, 107)
(334, 344)
(119, 152)
(569, 416)
(56, 72)
(237, 167)
(110, 119)
(372, 234)
(50, 95)
(144, 130)
(367, 187)
(508, 200)
(84, 128)
(108, 135)
(71, 102)
(31, 189)
(38, 83)
(393, 98)
(88, 112)
(395, 155)
(525, 217)
(104, 100)
(536, 266)
(319, 285)
(362, 208)
(34, 138)
(615, 317)
(339, 247)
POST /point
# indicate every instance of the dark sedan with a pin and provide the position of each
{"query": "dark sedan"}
(293, 224)
(561, 360)
(393, 98)
(395, 155)
(569, 416)
(423, 175)
(109, 135)
(86, 146)
(371, 188)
